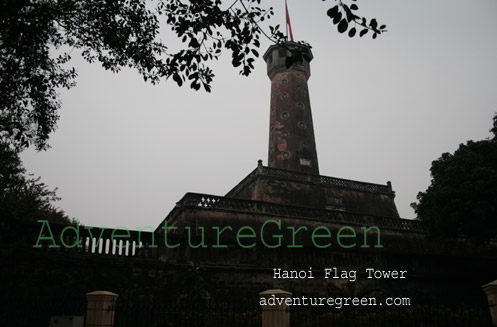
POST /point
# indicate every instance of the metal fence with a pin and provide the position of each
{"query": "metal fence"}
(416, 316)
(248, 314)
(172, 313)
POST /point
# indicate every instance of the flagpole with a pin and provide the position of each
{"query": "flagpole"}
(286, 21)
(288, 24)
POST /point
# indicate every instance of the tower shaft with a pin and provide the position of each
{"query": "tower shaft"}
(291, 132)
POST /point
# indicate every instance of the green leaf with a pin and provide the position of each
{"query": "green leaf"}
(194, 43)
(348, 13)
(354, 6)
(373, 23)
(342, 26)
(177, 79)
(332, 11)
(363, 32)
(337, 18)
(195, 85)
(352, 32)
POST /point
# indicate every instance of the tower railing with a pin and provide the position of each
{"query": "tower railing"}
(315, 179)
(340, 182)
(214, 202)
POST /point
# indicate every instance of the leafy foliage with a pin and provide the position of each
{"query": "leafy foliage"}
(461, 200)
(345, 18)
(38, 37)
(22, 197)
(194, 285)
(117, 34)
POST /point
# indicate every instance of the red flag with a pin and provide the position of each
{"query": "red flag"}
(289, 25)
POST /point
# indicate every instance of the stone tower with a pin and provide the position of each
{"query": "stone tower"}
(291, 135)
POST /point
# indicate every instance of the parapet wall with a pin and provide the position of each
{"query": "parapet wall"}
(315, 191)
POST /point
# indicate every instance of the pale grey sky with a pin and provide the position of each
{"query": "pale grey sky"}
(125, 151)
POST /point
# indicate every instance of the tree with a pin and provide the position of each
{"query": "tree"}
(462, 197)
(23, 197)
(38, 36)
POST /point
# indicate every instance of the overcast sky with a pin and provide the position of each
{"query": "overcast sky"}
(126, 151)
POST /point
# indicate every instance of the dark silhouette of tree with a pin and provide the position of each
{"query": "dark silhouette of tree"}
(462, 198)
(23, 197)
(38, 36)
(345, 18)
